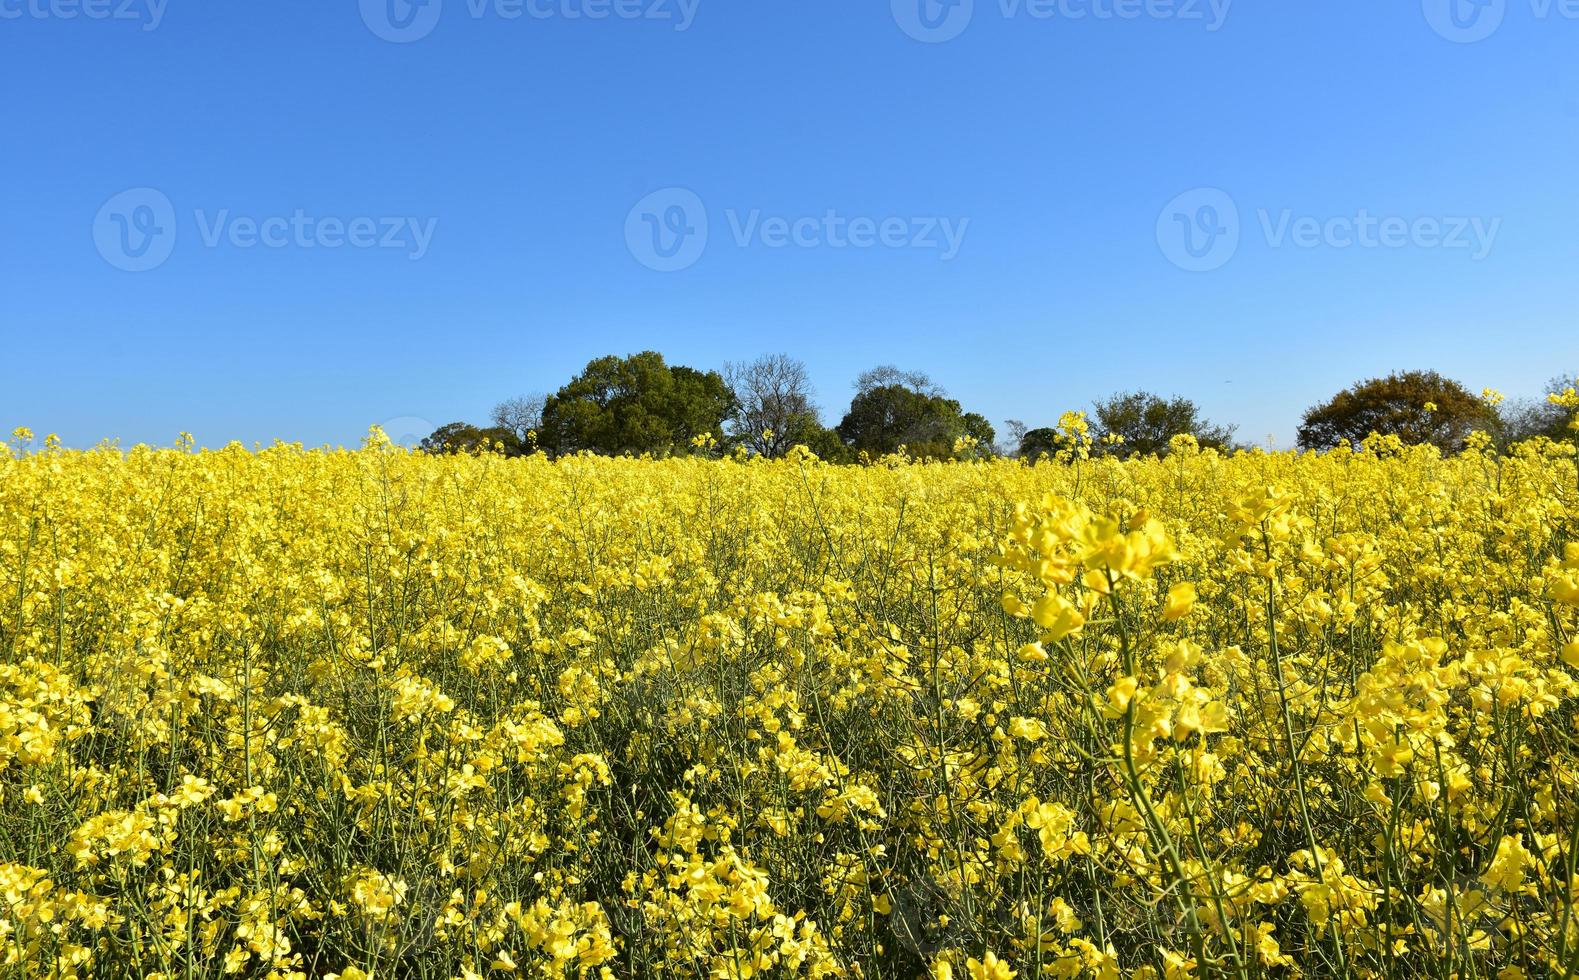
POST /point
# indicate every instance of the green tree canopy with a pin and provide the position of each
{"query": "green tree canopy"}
(1416, 406)
(636, 404)
(1037, 442)
(883, 418)
(1147, 423)
(460, 437)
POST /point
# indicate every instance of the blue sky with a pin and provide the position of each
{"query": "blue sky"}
(298, 218)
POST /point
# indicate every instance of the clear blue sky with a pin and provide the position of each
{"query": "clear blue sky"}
(509, 143)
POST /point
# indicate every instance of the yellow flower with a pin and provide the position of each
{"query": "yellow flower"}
(988, 968)
(376, 894)
(1057, 616)
(1032, 653)
(1028, 729)
(1508, 865)
(1181, 599)
(193, 790)
(503, 961)
(1120, 694)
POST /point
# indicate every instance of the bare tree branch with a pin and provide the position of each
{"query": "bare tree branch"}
(520, 415)
(774, 408)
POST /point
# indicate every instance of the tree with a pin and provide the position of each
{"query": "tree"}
(522, 416)
(1012, 438)
(1038, 442)
(700, 403)
(635, 404)
(913, 413)
(460, 437)
(882, 419)
(887, 376)
(1416, 406)
(773, 407)
(1526, 418)
(827, 445)
(1148, 422)
(978, 428)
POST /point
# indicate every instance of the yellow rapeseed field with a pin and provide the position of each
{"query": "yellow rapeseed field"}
(293, 713)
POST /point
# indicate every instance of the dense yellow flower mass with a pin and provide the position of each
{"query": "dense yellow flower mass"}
(290, 713)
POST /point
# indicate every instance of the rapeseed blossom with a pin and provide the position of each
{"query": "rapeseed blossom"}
(288, 714)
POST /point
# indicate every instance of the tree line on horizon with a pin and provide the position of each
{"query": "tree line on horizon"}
(642, 405)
